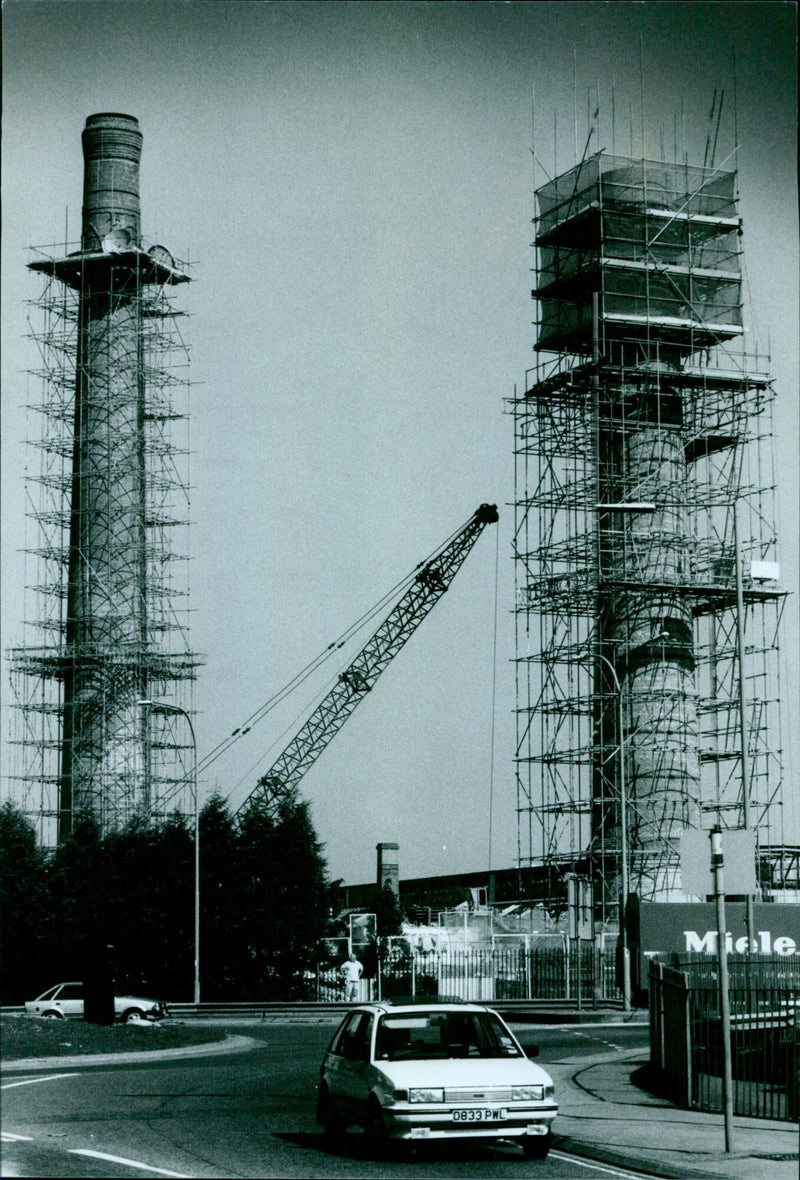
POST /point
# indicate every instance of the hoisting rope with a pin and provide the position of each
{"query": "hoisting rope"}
(263, 710)
(494, 690)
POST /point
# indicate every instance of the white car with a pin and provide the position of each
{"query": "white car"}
(66, 999)
(424, 1072)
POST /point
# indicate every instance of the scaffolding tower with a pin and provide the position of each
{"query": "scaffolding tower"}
(103, 681)
(647, 596)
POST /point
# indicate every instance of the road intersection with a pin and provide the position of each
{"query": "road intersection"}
(245, 1107)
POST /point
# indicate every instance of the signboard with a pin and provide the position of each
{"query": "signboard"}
(362, 931)
(739, 857)
(580, 916)
(661, 928)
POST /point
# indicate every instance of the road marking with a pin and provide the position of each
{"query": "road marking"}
(7, 1137)
(53, 1077)
(606, 1169)
(118, 1159)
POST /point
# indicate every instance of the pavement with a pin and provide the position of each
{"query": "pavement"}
(603, 1115)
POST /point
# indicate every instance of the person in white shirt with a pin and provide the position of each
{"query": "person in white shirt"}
(351, 971)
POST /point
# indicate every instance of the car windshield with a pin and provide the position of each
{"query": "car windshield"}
(428, 1036)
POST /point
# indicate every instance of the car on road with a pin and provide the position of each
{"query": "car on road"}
(422, 1072)
(66, 1000)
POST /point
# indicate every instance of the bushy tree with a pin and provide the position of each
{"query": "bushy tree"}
(284, 899)
(122, 906)
(80, 906)
(22, 908)
(300, 897)
(172, 925)
(388, 915)
(220, 903)
(256, 861)
(152, 886)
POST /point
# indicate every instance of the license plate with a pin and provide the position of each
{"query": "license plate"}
(478, 1114)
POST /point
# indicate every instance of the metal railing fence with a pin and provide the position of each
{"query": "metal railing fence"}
(582, 975)
(686, 1043)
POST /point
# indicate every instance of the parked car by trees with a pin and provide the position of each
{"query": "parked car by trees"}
(65, 1000)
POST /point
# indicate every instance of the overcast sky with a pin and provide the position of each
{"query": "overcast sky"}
(354, 181)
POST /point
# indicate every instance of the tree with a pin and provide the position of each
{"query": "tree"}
(256, 864)
(22, 908)
(152, 886)
(118, 912)
(82, 916)
(172, 945)
(388, 915)
(284, 899)
(220, 903)
(80, 907)
(301, 896)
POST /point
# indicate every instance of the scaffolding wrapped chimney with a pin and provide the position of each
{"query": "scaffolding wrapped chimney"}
(109, 496)
(641, 427)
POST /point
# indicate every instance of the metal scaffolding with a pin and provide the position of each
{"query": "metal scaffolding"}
(110, 496)
(642, 449)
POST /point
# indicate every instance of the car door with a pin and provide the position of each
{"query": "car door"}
(353, 1073)
(42, 1002)
(69, 999)
(336, 1065)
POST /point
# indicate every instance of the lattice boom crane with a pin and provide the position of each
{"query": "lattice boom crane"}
(430, 583)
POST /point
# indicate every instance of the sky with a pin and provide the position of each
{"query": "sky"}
(354, 183)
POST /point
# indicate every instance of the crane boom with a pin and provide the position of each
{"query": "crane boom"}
(430, 583)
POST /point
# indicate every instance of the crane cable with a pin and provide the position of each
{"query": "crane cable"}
(295, 682)
(260, 713)
(494, 690)
(292, 725)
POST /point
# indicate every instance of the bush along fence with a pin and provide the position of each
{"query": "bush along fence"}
(686, 1047)
(573, 974)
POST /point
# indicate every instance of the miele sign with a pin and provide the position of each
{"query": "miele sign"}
(691, 928)
(763, 943)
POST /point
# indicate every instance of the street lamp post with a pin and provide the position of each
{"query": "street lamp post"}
(168, 707)
(636, 508)
(744, 734)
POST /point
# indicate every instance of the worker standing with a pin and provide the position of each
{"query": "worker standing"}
(351, 971)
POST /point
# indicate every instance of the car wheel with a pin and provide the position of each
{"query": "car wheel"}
(52, 1014)
(132, 1016)
(536, 1147)
(333, 1125)
(375, 1128)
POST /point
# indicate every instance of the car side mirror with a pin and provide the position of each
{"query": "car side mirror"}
(531, 1050)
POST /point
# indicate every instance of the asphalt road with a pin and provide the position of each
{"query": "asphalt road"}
(241, 1115)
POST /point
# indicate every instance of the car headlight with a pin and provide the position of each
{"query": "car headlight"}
(531, 1093)
(427, 1095)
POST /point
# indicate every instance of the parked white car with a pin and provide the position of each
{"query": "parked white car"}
(66, 1000)
(427, 1072)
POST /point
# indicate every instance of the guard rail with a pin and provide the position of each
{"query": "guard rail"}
(522, 1011)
